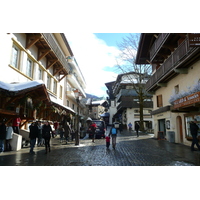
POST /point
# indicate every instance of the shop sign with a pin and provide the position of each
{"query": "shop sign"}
(190, 99)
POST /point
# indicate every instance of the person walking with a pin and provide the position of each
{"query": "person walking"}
(40, 139)
(194, 131)
(2, 135)
(93, 128)
(130, 126)
(9, 134)
(16, 124)
(67, 131)
(33, 134)
(107, 141)
(46, 134)
(113, 134)
(120, 127)
(61, 132)
(137, 127)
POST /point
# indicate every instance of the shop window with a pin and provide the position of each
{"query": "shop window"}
(15, 57)
(159, 101)
(188, 120)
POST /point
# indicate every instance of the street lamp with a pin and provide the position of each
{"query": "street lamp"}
(78, 98)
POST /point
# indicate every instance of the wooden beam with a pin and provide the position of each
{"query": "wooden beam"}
(62, 77)
(13, 99)
(56, 72)
(181, 71)
(42, 53)
(31, 40)
(52, 62)
(162, 84)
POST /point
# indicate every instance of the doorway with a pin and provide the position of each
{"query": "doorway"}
(179, 128)
(161, 126)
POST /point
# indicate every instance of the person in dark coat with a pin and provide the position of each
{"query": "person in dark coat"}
(2, 136)
(194, 131)
(137, 127)
(67, 131)
(46, 134)
(33, 134)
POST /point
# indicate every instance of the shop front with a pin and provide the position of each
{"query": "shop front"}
(190, 106)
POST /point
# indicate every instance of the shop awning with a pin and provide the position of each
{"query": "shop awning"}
(59, 105)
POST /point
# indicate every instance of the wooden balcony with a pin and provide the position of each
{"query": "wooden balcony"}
(180, 58)
(162, 37)
(133, 104)
(52, 43)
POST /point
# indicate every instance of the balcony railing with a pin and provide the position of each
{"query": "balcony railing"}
(54, 46)
(158, 44)
(132, 104)
(182, 52)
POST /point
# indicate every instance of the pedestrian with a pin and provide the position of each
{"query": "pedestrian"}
(130, 126)
(46, 134)
(16, 124)
(40, 140)
(33, 134)
(120, 127)
(113, 134)
(194, 131)
(93, 128)
(107, 141)
(137, 127)
(2, 135)
(61, 132)
(9, 134)
(72, 133)
(67, 131)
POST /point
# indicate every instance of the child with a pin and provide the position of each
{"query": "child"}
(107, 141)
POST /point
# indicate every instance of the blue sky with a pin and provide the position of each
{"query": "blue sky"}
(111, 39)
(96, 56)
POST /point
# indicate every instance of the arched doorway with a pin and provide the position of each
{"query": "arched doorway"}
(179, 128)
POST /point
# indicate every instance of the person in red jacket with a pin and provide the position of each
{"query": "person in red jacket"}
(107, 141)
(93, 128)
(15, 125)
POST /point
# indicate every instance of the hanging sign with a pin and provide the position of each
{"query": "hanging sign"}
(185, 101)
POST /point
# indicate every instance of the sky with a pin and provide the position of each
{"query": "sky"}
(96, 54)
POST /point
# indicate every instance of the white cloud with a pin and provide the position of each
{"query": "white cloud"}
(92, 55)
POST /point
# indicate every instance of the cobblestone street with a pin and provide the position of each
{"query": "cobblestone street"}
(130, 151)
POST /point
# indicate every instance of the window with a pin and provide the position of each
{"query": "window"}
(159, 101)
(15, 57)
(73, 106)
(68, 103)
(176, 89)
(54, 87)
(48, 82)
(40, 73)
(29, 68)
(61, 91)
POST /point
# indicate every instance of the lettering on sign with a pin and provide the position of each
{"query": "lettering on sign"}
(190, 99)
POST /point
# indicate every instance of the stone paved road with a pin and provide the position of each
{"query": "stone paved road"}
(130, 151)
